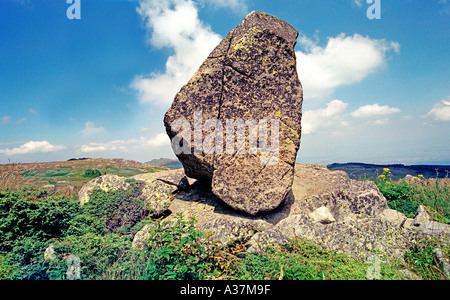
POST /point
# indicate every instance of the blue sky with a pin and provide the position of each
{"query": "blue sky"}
(375, 91)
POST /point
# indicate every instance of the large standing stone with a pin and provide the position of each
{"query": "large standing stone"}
(250, 79)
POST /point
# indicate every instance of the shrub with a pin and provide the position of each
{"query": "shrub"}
(177, 251)
(407, 196)
(29, 221)
(115, 211)
(423, 261)
(89, 173)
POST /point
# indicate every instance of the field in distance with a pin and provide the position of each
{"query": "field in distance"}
(72, 174)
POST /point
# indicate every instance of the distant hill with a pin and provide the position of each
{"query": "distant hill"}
(165, 162)
(62, 174)
(361, 170)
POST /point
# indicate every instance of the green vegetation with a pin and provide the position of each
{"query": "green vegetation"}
(100, 235)
(406, 196)
(89, 173)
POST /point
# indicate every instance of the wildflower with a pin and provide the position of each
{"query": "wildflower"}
(386, 170)
(420, 176)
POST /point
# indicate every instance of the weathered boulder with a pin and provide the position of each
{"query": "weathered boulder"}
(320, 202)
(159, 188)
(357, 238)
(157, 197)
(325, 207)
(104, 183)
(236, 123)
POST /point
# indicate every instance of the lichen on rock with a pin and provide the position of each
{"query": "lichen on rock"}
(105, 183)
(250, 77)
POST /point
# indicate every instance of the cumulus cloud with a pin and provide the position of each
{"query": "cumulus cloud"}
(33, 147)
(173, 24)
(314, 120)
(344, 60)
(441, 110)
(158, 140)
(382, 122)
(374, 110)
(117, 145)
(91, 129)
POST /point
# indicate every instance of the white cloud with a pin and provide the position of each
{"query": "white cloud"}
(91, 129)
(117, 145)
(374, 110)
(174, 24)
(382, 122)
(159, 140)
(344, 60)
(441, 110)
(8, 120)
(314, 120)
(5, 119)
(156, 141)
(33, 147)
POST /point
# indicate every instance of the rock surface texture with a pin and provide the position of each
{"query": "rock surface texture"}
(248, 84)
(325, 207)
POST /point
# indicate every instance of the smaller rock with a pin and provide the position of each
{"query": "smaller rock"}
(261, 240)
(49, 253)
(422, 216)
(435, 228)
(229, 230)
(442, 260)
(141, 237)
(104, 183)
(172, 177)
(322, 215)
(157, 197)
(408, 178)
(393, 216)
(48, 187)
(408, 224)
(183, 184)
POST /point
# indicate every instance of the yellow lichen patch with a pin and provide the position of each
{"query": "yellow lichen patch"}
(104, 183)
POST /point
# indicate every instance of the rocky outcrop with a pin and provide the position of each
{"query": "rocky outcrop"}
(325, 207)
(236, 123)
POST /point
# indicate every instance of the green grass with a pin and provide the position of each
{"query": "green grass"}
(306, 261)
